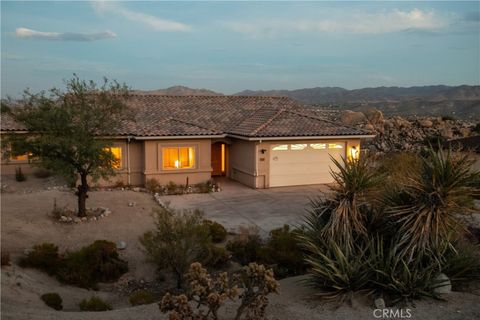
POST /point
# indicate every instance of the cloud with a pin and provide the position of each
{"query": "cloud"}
(153, 22)
(62, 36)
(359, 23)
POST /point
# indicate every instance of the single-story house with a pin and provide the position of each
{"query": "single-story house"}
(261, 142)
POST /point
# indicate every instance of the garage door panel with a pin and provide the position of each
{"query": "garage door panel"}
(299, 167)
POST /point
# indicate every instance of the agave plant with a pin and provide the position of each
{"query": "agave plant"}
(427, 208)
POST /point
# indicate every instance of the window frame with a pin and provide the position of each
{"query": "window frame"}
(177, 146)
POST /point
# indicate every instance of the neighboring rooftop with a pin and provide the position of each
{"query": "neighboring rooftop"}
(156, 115)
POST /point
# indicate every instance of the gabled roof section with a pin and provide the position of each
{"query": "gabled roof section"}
(7, 123)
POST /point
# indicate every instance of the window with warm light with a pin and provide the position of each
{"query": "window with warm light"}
(298, 146)
(178, 157)
(280, 147)
(21, 157)
(117, 154)
(318, 146)
(335, 146)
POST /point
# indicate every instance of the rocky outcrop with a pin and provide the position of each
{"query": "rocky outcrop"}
(404, 133)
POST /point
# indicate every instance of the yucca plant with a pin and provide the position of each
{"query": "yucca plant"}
(427, 207)
(341, 215)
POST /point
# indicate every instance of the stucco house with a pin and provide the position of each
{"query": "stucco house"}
(261, 142)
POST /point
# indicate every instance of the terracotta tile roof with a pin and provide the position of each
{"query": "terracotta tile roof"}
(156, 115)
(7, 123)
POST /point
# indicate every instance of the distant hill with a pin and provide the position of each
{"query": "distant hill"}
(180, 91)
(461, 101)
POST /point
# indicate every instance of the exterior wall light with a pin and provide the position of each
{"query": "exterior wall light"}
(354, 153)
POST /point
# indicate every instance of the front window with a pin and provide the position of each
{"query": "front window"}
(178, 157)
(117, 155)
(21, 157)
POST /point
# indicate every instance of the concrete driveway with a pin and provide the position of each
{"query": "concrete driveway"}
(237, 205)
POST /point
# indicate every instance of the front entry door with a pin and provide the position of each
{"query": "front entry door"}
(218, 159)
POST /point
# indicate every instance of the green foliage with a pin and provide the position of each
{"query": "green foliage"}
(216, 256)
(140, 297)
(180, 237)
(462, 265)
(67, 126)
(41, 173)
(246, 248)
(218, 233)
(19, 176)
(43, 257)
(153, 185)
(4, 107)
(98, 262)
(94, 304)
(172, 188)
(53, 300)
(426, 208)
(284, 252)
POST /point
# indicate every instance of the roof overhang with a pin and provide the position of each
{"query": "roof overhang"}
(362, 136)
(180, 137)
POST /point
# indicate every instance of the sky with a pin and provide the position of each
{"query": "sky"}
(233, 46)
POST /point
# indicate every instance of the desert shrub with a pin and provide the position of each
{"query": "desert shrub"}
(119, 184)
(153, 185)
(283, 250)
(246, 248)
(448, 118)
(476, 129)
(94, 304)
(203, 187)
(462, 264)
(216, 256)
(398, 167)
(5, 258)
(180, 237)
(44, 257)
(172, 188)
(57, 212)
(53, 300)
(208, 294)
(140, 297)
(41, 173)
(19, 176)
(218, 233)
(98, 262)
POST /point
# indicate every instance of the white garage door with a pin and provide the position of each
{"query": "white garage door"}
(303, 163)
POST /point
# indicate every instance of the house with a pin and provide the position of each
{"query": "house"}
(261, 142)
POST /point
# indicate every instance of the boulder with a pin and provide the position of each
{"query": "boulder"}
(121, 245)
(379, 303)
(349, 117)
(374, 116)
(425, 123)
(443, 284)
(369, 127)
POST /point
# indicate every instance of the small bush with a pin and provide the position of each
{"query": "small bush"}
(476, 129)
(94, 304)
(19, 176)
(172, 188)
(5, 258)
(98, 262)
(216, 230)
(42, 173)
(44, 257)
(53, 300)
(216, 257)
(246, 249)
(448, 118)
(203, 187)
(153, 186)
(141, 297)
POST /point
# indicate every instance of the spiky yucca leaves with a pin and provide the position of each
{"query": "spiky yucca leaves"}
(341, 215)
(426, 209)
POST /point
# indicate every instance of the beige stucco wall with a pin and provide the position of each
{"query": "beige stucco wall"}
(250, 160)
(153, 161)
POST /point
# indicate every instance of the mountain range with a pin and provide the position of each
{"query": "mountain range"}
(458, 101)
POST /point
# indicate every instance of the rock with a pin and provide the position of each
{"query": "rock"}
(27, 251)
(121, 245)
(379, 303)
(374, 116)
(426, 123)
(77, 220)
(349, 117)
(443, 283)
(136, 189)
(63, 218)
(132, 204)
(369, 127)
(447, 133)
(84, 219)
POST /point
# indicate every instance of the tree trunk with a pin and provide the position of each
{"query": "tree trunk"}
(82, 195)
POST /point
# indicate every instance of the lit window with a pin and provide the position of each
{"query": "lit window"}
(298, 146)
(21, 157)
(117, 154)
(318, 146)
(178, 158)
(280, 147)
(335, 146)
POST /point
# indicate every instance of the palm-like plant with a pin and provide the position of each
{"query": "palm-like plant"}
(426, 211)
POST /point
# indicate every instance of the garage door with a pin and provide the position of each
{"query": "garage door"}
(303, 163)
